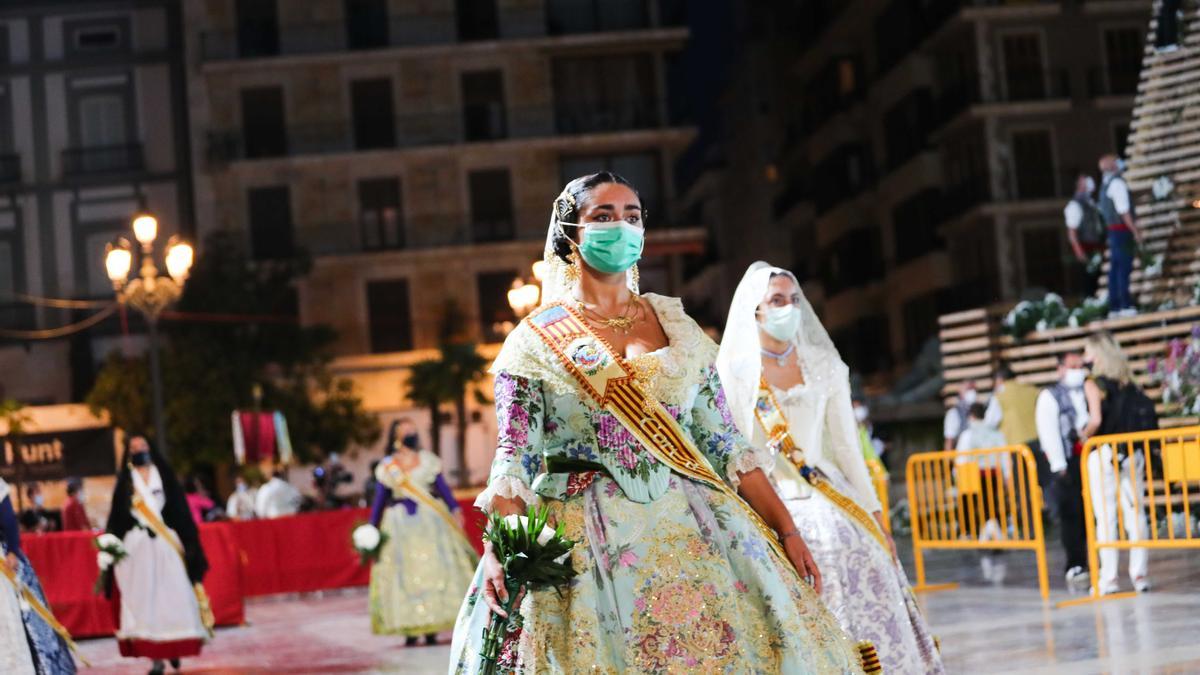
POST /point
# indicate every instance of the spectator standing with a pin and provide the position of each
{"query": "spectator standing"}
(198, 500)
(1086, 230)
(1062, 415)
(74, 516)
(986, 500)
(277, 497)
(240, 505)
(955, 420)
(1116, 208)
(1124, 408)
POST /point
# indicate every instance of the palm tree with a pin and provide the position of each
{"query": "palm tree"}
(15, 419)
(450, 378)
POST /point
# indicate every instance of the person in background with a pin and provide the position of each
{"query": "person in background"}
(1013, 410)
(984, 499)
(1116, 208)
(956, 418)
(240, 505)
(277, 497)
(34, 518)
(198, 501)
(1086, 231)
(872, 447)
(74, 516)
(1124, 408)
(1062, 414)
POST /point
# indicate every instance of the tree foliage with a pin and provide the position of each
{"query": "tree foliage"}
(238, 329)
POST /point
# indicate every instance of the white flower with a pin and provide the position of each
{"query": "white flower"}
(514, 522)
(1041, 325)
(108, 541)
(104, 560)
(1162, 187)
(366, 537)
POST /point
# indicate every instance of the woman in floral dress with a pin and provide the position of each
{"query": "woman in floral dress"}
(673, 574)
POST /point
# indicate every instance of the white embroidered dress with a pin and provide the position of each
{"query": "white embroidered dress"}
(15, 656)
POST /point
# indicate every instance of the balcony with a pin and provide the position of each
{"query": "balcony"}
(103, 159)
(964, 195)
(10, 169)
(447, 127)
(1034, 85)
(1121, 81)
(418, 233)
(558, 17)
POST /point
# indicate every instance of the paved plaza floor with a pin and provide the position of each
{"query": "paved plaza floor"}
(982, 629)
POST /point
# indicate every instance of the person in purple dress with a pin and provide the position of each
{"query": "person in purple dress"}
(426, 562)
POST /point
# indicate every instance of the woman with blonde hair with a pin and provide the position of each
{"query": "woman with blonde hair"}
(1117, 481)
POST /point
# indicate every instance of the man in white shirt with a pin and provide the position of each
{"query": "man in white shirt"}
(955, 420)
(1116, 208)
(277, 498)
(241, 504)
(1086, 231)
(1062, 414)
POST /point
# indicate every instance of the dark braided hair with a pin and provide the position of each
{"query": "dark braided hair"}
(567, 209)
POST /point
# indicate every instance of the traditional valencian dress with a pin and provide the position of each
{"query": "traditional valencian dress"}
(674, 572)
(821, 475)
(15, 655)
(161, 610)
(427, 562)
(51, 655)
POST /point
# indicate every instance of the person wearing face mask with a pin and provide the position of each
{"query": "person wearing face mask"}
(164, 614)
(611, 416)
(1086, 231)
(789, 392)
(426, 563)
(955, 420)
(277, 497)
(873, 448)
(240, 505)
(74, 515)
(1124, 237)
(1062, 415)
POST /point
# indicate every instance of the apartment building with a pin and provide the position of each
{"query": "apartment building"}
(93, 129)
(413, 147)
(927, 151)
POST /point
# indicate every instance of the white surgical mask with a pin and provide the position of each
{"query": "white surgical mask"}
(968, 396)
(1074, 378)
(781, 323)
(861, 413)
(39, 500)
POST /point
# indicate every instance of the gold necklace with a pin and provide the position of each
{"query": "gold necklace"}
(622, 323)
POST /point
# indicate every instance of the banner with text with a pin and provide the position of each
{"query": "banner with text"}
(56, 455)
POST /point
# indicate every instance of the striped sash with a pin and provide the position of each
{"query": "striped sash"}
(35, 603)
(604, 377)
(770, 417)
(403, 486)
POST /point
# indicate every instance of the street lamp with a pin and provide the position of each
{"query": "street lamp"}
(523, 297)
(149, 293)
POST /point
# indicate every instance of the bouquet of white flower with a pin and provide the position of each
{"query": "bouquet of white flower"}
(535, 557)
(109, 551)
(368, 541)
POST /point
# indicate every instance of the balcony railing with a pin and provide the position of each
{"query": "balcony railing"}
(421, 232)
(437, 128)
(1034, 85)
(1113, 81)
(441, 27)
(104, 159)
(10, 169)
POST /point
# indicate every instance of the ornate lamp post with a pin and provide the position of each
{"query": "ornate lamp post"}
(149, 293)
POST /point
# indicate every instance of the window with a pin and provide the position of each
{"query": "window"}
(1033, 159)
(915, 225)
(641, 169)
(271, 232)
(590, 16)
(97, 39)
(388, 316)
(257, 28)
(374, 120)
(478, 19)
(865, 345)
(854, 259)
(494, 310)
(483, 106)
(263, 124)
(491, 205)
(609, 93)
(380, 213)
(1024, 75)
(366, 24)
(907, 125)
(1123, 56)
(920, 322)
(1043, 247)
(102, 121)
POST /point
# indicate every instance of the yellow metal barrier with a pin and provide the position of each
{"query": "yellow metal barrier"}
(1132, 483)
(975, 499)
(879, 476)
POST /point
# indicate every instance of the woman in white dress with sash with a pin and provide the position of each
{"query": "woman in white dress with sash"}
(789, 391)
(15, 656)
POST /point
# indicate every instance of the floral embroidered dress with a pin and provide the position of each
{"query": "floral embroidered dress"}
(425, 566)
(673, 575)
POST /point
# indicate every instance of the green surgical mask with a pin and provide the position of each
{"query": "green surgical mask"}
(781, 323)
(611, 249)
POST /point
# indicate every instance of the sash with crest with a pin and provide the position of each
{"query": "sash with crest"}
(152, 520)
(770, 417)
(604, 377)
(402, 485)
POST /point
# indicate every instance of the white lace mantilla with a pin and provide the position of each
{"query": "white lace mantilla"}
(680, 363)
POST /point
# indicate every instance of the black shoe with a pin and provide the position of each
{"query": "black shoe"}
(174, 663)
(410, 641)
(431, 639)
(157, 668)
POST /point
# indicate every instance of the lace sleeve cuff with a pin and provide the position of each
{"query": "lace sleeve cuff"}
(508, 487)
(747, 461)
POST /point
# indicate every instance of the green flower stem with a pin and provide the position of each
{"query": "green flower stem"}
(489, 653)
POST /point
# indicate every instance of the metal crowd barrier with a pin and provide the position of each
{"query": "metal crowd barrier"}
(879, 476)
(975, 499)
(1140, 491)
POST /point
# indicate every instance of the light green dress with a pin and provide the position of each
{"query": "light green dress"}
(673, 575)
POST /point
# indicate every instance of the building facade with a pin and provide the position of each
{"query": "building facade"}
(929, 149)
(93, 130)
